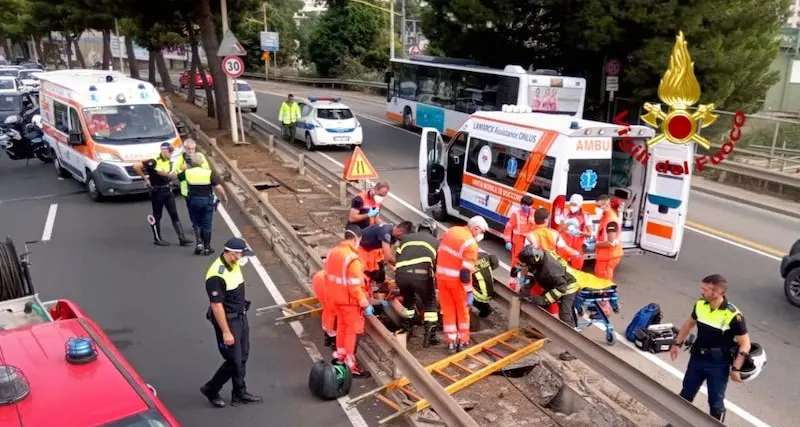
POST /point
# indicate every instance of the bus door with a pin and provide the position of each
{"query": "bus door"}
(666, 201)
(431, 168)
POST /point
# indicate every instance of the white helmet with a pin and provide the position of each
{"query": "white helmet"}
(37, 120)
(478, 221)
(754, 363)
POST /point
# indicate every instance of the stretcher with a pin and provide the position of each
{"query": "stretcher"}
(595, 296)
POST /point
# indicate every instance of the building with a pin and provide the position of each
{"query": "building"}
(784, 96)
(793, 20)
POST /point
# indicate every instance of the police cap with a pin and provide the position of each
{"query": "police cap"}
(238, 245)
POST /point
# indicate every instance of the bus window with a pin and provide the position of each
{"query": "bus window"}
(444, 96)
(506, 164)
(426, 84)
(589, 178)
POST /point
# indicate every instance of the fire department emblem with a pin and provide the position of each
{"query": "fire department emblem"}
(680, 90)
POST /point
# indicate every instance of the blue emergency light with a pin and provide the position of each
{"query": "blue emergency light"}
(141, 86)
(92, 88)
(331, 99)
(574, 125)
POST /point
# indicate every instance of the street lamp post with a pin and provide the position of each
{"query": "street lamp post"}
(229, 81)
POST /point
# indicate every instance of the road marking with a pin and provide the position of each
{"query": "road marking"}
(352, 414)
(47, 233)
(736, 240)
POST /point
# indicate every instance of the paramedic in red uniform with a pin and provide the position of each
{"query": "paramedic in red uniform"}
(608, 250)
(366, 206)
(455, 263)
(319, 284)
(518, 226)
(575, 236)
(345, 290)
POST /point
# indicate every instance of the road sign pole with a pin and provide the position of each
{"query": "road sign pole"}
(266, 61)
(229, 80)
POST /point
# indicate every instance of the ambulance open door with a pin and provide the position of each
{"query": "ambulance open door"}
(666, 200)
(431, 167)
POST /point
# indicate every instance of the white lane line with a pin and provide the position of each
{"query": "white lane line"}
(747, 416)
(731, 242)
(47, 233)
(352, 414)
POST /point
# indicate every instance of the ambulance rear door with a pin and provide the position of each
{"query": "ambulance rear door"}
(666, 200)
(431, 167)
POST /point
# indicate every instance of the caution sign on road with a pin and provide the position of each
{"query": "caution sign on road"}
(357, 167)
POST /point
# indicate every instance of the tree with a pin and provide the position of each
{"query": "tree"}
(280, 18)
(13, 19)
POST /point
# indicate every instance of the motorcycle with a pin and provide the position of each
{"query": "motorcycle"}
(24, 141)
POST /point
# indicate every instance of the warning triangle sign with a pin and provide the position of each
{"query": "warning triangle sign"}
(357, 167)
(230, 46)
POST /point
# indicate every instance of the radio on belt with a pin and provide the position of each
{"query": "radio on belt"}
(656, 338)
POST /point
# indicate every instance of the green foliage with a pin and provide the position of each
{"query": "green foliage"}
(279, 18)
(349, 40)
(14, 15)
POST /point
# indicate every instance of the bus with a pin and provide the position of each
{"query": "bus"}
(441, 93)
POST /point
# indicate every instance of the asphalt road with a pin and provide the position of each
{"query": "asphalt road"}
(151, 300)
(735, 240)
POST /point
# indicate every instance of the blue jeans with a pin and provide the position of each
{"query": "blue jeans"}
(714, 371)
(201, 212)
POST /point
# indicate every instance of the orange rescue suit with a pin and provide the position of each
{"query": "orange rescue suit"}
(607, 258)
(319, 283)
(344, 275)
(518, 226)
(458, 250)
(574, 242)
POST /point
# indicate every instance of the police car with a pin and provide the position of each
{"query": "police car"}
(326, 121)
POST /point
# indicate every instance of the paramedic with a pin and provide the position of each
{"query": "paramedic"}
(575, 227)
(416, 258)
(366, 206)
(155, 173)
(345, 290)
(288, 116)
(518, 226)
(455, 263)
(543, 237)
(720, 328)
(183, 162)
(227, 313)
(608, 250)
(483, 283)
(202, 182)
(319, 284)
(543, 268)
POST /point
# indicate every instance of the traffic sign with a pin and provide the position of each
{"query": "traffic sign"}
(613, 67)
(230, 46)
(357, 167)
(414, 50)
(270, 41)
(612, 84)
(233, 66)
(265, 56)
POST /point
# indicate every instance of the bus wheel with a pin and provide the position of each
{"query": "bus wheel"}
(408, 121)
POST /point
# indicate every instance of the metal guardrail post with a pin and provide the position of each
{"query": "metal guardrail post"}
(343, 193)
(774, 142)
(270, 143)
(514, 309)
(301, 164)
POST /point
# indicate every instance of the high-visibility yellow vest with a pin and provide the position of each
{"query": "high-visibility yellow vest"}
(179, 166)
(720, 318)
(289, 113)
(233, 278)
(163, 165)
(198, 176)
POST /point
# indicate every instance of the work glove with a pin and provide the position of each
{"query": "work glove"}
(508, 246)
(470, 299)
(514, 271)
(373, 212)
(369, 311)
(385, 303)
(538, 300)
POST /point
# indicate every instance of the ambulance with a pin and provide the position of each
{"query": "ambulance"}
(99, 124)
(497, 157)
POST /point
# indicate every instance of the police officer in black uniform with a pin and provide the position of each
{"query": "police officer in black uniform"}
(416, 260)
(483, 283)
(714, 355)
(156, 175)
(228, 315)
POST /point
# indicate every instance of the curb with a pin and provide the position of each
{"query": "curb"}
(745, 201)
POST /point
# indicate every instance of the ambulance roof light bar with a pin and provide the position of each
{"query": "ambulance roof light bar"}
(325, 98)
(516, 109)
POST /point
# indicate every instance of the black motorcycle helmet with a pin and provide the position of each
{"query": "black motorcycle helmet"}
(531, 257)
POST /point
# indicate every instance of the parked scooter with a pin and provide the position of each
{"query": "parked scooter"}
(24, 141)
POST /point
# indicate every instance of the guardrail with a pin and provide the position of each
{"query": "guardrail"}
(318, 81)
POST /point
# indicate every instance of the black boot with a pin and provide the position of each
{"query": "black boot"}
(245, 398)
(429, 338)
(207, 250)
(408, 326)
(330, 341)
(182, 239)
(719, 416)
(157, 235)
(452, 348)
(198, 247)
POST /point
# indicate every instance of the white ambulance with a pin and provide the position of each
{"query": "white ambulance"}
(99, 124)
(497, 157)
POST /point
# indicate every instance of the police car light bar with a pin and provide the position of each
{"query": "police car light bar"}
(324, 98)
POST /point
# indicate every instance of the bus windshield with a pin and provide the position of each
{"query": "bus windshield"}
(128, 124)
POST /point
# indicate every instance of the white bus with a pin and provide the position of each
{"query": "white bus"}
(441, 93)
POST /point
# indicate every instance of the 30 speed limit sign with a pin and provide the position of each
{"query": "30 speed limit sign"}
(233, 66)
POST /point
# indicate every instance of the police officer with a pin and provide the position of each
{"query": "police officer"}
(483, 283)
(714, 359)
(202, 182)
(227, 313)
(156, 175)
(416, 258)
(288, 116)
(183, 162)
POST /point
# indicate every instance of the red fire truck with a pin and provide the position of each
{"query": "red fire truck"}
(58, 368)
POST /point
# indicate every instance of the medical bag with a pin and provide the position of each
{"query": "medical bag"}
(329, 380)
(656, 338)
(646, 316)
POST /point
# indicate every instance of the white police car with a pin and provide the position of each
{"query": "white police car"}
(326, 121)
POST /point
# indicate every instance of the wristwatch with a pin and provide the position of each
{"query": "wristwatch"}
(735, 369)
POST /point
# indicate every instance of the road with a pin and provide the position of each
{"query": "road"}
(730, 238)
(152, 303)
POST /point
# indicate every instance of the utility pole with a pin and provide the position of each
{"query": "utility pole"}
(391, 30)
(119, 48)
(228, 80)
(266, 61)
(403, 33)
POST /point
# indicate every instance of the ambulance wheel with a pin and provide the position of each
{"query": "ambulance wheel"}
(91, 188)
(310, 146)
(611, 337)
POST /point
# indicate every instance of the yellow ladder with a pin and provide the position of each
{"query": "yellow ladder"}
(294, 310)
(458, 371)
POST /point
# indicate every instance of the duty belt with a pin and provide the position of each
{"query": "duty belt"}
(424, 271)
(161, 187)
(713, 353)
(231, 316)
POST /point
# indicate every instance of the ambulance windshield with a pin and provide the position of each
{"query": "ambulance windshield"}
(128, 124)
(589, 177)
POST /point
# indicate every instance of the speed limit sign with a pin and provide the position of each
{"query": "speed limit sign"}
(233, 66)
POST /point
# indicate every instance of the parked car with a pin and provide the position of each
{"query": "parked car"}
(10, 84)
(326, 121)
(26, 76)
(198, 80)
(246, 96)
(790, 271)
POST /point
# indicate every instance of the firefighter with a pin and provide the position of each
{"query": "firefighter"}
(319, 284)
(518, 226)
(575, 227)
(416, 258)
(345, 291)
(455, 263)
(542, 267)
(483, 283)
(366, 206)
(608, 252)
(288, 116)
(376, 247)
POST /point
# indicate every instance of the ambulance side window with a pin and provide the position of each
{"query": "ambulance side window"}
(543, 182)
(61, 115)
(74, 120)
(589, 177)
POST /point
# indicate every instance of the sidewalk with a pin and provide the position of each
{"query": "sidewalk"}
(740, 195)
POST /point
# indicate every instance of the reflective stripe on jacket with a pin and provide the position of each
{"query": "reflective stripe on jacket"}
(417, 250)
(519, 224)
(457, 250)
(345, 275)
